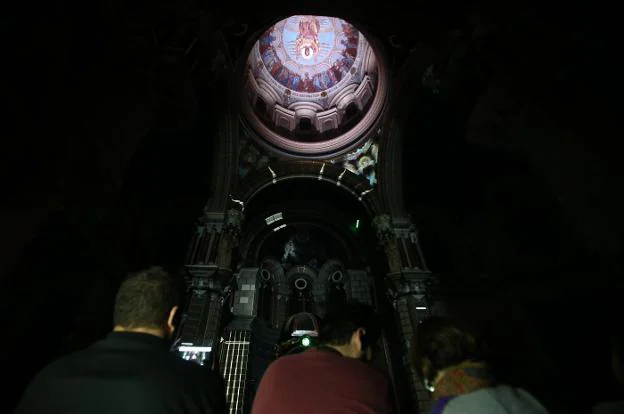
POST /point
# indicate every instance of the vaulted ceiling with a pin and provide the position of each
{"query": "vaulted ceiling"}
(505, 110)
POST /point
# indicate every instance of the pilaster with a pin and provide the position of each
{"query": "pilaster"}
(208, 290)
(407, 291)
(229, 238)
(407, 282)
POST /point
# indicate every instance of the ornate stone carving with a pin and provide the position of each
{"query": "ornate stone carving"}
(385, 233)
(383, 227)
(233, 221)
(200, 230)
(231, 228)
(404, 285)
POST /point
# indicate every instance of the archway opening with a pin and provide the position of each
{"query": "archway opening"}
(305, 222)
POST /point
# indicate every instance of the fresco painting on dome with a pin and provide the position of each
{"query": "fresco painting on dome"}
(309, 53)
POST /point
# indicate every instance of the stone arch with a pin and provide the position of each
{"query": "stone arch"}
(304, 320)
(302, 284)
(251, 244)
(275, 268)
(305, 272)
(330, 266)
(390, 171)
(355, 185)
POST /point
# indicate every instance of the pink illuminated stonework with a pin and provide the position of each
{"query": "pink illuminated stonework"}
(313, 87)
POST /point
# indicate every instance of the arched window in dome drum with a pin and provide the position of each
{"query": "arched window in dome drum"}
(305, 124)
(351, 110)
(261, 106)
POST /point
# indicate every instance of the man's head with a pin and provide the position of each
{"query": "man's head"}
(441, 343)
(352, 329)
(147, 302)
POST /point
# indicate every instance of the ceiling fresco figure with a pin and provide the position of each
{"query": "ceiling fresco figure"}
(314, 86)
(308, 42)
(309, 54)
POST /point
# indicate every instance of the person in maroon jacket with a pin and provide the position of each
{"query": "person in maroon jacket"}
(334, 377)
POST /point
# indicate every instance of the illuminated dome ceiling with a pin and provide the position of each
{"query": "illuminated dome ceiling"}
(313, 87)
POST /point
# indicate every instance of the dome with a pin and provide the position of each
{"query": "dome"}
(314, 87)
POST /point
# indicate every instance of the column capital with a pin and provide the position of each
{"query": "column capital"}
(200, 229)
(209, 277)
(233, 221)
(411, 283)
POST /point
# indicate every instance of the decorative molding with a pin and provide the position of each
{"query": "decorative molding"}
(366, 84)
(356, 185)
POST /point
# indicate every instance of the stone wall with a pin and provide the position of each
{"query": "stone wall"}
(360, 286)
(245, 296)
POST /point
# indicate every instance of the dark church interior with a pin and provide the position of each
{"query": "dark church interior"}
(443, 157)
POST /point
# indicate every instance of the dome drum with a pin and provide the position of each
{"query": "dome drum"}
(314, 86)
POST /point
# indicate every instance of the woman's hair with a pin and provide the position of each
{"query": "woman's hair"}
(440, 343)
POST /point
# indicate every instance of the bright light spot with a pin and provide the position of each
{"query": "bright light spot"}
(301, 332)
(305, 341)
(272, 219)
(357, 224)
(195, 349)
(281, 226)
(421, 308)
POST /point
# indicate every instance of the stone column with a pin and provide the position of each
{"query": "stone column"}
(407, 291)
(360, 285)
(229, 238)
(406, 284)
(281, 308)
(409, 244)
(282, 300)
(207, 293)
(385, 234)
(203, 247)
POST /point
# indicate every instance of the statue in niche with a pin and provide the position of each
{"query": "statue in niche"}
(302, 249)
(289, 250)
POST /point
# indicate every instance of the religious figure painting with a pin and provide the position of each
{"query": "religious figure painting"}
(309, 54)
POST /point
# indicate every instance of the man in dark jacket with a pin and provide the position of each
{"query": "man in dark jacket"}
(130, 371)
